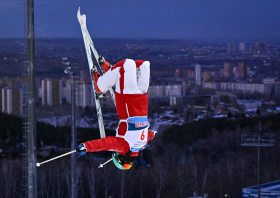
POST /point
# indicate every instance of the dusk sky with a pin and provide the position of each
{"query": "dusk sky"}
(175, 19)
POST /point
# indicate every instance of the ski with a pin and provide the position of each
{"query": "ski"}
(92, 67)
(87, 38)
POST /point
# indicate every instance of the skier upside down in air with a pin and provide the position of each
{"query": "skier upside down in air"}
(133, 133)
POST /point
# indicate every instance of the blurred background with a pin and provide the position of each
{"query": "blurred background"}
(214, 97)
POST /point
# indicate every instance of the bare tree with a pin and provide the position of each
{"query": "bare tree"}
(59, 179)
(158, 173)
(9, 178)
(92, 176)
(181, 175)
(107, 175)
(67, 176)
(46, 180)
(78, 179)
(91, 179)
(126, 181)
(204, 181)
(41, 182)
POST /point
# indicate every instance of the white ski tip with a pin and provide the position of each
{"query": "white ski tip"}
(38, 164)
(81, 19)
(100, 166)
(79, 14)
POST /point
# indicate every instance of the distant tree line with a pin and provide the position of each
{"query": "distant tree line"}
(201, 157)
(47, 133)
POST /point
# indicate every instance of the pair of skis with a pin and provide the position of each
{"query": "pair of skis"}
(90, 47)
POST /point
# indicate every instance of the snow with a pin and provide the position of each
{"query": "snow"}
(220, 116)
(110, 121)
(251, 110)
(57, 121)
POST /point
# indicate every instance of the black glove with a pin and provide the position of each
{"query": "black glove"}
(101, 60)
(81, 150)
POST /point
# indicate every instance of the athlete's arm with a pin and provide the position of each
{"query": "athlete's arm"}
(109, 143)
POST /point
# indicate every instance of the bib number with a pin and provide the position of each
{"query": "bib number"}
(143, 135)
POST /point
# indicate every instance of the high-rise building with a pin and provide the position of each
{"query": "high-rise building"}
(67, 91)
(242, 66)
(228, 70)
(185, 73)
(206, 75)
(258, 48)
(190, 73)
(198, 75)
(172, 100)
(51, 92)
(17, 83)
(177, 73)
(12, 101)
(242, 47)
(85, 76)
(156, 91)
(181, 73)
(174, 90)
(277, 88)
(231, 47)
(236, 72)
(3, 85)
(13, 82)
(84, 95)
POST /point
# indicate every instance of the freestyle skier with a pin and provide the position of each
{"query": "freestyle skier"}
(131, 80)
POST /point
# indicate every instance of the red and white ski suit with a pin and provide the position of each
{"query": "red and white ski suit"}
(131, 102)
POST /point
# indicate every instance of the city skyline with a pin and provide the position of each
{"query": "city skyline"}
(228, 20)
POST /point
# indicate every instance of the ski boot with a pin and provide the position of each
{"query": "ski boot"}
(95, 76)
(104, 64)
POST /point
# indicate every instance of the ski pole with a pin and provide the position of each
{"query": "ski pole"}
(38, 164)
(101, 165)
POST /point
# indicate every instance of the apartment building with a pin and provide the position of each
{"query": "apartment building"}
(246, 88)
(163, 91)
(156, 91)
(12, 101)
(228, 70)
(198, 75)
(211, 85)
(51, 91)
(84, 94)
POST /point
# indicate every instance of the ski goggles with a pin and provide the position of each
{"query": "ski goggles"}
(127, 166)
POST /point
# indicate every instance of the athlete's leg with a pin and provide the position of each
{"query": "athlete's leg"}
(111, 77)
(123, 75)
(143, 76)
(127, 82)
(107, 80)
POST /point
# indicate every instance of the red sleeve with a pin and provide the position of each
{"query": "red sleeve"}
(109, 143)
